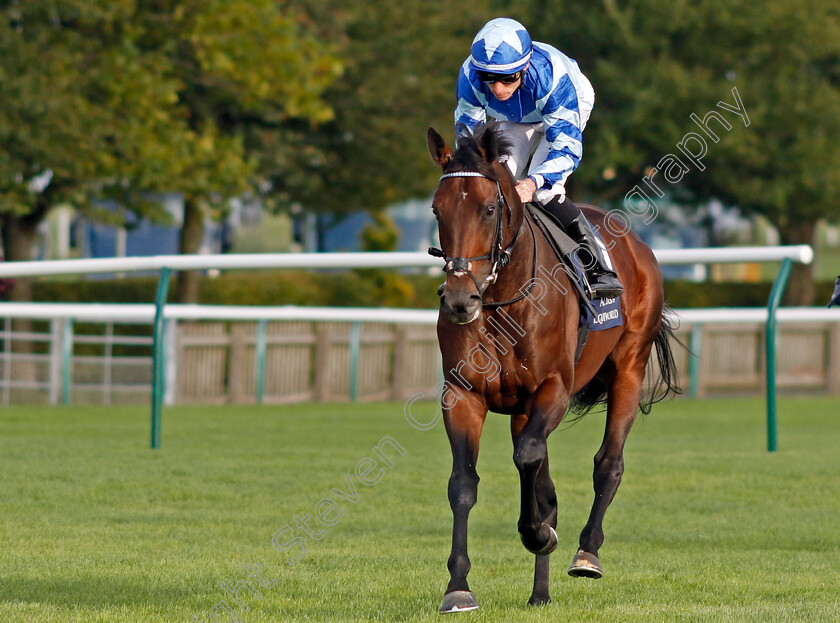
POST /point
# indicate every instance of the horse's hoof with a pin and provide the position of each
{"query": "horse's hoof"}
(539, 601)
(586, 565)
(458, 601)
(548, 547)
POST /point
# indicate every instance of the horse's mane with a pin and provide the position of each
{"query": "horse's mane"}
(478, 151)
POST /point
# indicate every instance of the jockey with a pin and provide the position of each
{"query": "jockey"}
(542, 102)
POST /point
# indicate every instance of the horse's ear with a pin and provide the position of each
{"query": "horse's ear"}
(441, 154)
(489, 144)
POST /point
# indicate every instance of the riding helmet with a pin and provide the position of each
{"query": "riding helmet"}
(503, 46)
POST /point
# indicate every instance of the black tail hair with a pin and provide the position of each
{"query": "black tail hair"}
(594, 393)
(667, 384)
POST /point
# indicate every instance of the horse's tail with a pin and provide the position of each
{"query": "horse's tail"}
(666, 384)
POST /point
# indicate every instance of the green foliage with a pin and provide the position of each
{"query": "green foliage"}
(82, 110)
(402, 60)
(134, 290)
(653, 63)
(258, 58)
(381, 235)
(121, 98)
(350, 289)
(243, 65)
(687, 294)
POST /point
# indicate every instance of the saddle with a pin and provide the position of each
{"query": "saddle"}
(608, 312)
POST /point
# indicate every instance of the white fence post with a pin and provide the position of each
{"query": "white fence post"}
(171, 362)
(56, 350)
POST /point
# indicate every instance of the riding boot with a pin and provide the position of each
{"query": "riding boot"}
(603, 281)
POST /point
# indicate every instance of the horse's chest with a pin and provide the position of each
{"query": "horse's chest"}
(513, 381)
(500, 360)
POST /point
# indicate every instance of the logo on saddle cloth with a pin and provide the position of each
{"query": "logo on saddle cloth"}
(608, 314)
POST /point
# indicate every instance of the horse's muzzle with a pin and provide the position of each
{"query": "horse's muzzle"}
(459, 304)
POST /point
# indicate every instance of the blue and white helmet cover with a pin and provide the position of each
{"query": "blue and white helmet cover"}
(503, 46)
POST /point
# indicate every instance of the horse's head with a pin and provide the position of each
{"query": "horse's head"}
(474, 207)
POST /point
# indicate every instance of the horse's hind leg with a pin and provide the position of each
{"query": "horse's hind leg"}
(622, 406)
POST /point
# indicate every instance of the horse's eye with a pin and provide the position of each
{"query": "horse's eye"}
(490, 209)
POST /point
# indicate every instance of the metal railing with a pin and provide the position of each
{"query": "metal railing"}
(165, 264)
(220, 354)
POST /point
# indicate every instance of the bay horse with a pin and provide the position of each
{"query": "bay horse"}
(507, 329)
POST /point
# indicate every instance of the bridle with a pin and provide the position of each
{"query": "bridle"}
(498, 256)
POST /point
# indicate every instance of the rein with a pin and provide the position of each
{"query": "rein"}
(498, 256)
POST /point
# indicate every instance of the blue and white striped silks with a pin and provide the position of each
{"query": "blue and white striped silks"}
(554, 93)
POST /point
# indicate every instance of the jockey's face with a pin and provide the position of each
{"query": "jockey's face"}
(502, 91)
(503, 88)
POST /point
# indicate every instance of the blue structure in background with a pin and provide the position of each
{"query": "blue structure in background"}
(141, 237)
(676, 227)
(341, 234)
(413, 219)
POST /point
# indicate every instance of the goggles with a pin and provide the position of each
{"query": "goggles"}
(489, 78)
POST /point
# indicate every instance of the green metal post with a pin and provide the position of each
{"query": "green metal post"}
(158, 356)
(355, 342)
(696, 347)
(66, 360)
(260, 348)
(770, 343)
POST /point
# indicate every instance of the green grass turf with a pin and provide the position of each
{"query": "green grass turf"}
(707, 525)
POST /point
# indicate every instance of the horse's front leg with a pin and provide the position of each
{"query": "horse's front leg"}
(546, 499)
(538, 515)
(547, 503)
(464, 422)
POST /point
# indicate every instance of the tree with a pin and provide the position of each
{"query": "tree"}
(401, 63)
(654, 63)
(81, 113)
(250, 72)
(122, 99)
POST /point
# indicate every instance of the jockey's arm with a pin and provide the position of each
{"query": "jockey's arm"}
(561, 121)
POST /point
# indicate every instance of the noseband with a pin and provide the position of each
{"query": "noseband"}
(498, 256)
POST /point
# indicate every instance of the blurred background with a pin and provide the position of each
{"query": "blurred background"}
(139, 127)
(148, 127)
